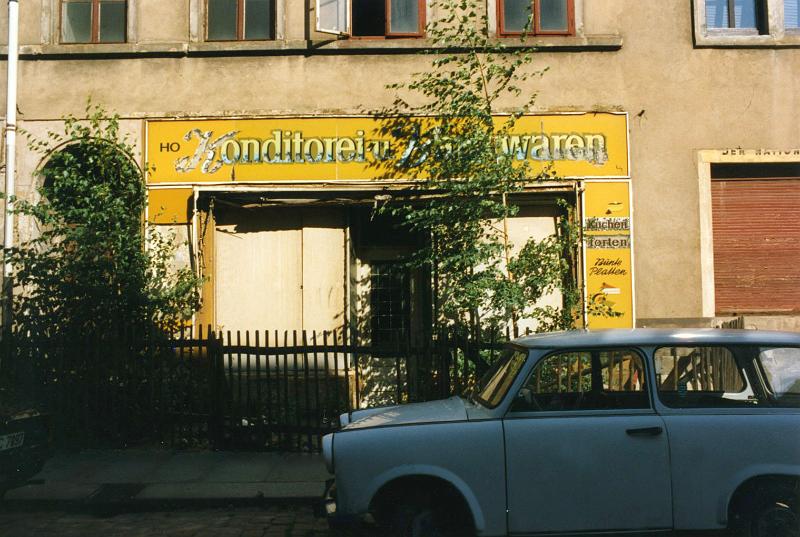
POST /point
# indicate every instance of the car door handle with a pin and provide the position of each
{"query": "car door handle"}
(645, 431)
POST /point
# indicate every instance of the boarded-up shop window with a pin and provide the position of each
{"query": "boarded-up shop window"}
(755, 210)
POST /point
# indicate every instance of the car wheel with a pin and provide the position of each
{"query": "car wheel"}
(416, 520)
(777, 519)
(771, 512)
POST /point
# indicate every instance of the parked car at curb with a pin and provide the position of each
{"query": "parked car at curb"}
(24, 446)
(589, 432)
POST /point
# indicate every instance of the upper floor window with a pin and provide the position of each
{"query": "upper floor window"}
(791, 14)
(736, 14)
(236, 20)
(93, 21)
(747, 23)
(538, 17)
(371, 18)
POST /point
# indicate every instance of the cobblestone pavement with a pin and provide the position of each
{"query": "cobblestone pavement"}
(273, 521)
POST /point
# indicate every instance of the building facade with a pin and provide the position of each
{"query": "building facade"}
(676, 126)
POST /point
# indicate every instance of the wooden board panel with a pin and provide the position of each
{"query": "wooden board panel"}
(756, 245)
(323, 269)
(280, 269)
(259, 270)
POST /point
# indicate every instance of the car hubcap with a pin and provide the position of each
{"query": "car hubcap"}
(778, 521)
(423, 525)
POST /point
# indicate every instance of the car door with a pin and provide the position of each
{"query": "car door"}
(585, 450)
(723, 427)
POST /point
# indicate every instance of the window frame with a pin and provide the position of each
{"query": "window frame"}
(95, 24)
(789, 30)
(240, 24)
(536, 30)
(347, 32)
(745, 360)
(387, 33)
(421, 6)
(507, 396)
(764, 375)
(761, 8)
(648, 377)
(390, 269)
(772, 31)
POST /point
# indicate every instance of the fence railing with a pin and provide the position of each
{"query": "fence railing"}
(735, 323)
(230, 390)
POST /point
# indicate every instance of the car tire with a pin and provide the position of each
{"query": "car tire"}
(417, 520)
(775, 515)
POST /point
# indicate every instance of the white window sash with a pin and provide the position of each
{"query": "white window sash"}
(333, 16)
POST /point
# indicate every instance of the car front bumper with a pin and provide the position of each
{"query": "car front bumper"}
(337, 519)
(25, 460)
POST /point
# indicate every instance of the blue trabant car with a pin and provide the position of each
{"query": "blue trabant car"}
(589, 433)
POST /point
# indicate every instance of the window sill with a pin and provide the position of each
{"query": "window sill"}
(177, 49)
(592, 43)
(542, 43)
(722, 39)
(233, 48)
(98, 50)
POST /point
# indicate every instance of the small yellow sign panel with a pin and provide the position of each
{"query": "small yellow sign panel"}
(169, 205)
(607, 233)
(362, 148)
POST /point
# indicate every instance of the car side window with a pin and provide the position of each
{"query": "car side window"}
(701, 377)
(585, 380)
(498, 380)
(781, 366)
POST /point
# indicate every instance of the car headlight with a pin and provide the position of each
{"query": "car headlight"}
(327, 452)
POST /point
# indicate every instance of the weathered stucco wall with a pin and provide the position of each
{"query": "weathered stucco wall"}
(681, 100)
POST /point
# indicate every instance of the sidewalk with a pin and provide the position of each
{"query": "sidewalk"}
(144, 480)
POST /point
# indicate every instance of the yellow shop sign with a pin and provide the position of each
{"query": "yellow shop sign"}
(608, 268)
(593, 145)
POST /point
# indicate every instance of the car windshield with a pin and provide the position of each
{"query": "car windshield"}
(495, 383)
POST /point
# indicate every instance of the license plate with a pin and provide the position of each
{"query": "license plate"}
(10, 441)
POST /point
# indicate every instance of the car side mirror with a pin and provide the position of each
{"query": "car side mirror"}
(523, 400)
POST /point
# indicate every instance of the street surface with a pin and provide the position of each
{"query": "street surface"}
(273, 521)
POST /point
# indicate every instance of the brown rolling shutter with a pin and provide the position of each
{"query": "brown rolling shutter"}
(756, 245)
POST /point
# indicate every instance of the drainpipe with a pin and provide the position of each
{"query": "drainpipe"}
(11, 153)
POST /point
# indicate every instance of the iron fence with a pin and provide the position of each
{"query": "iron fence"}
(735, 323)
(255, 390)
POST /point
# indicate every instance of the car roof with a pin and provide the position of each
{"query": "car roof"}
(654, 337)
